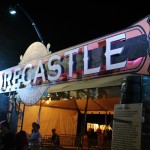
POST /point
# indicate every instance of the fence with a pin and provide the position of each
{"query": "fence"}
(72, 142)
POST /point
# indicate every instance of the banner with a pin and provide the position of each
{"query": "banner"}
(123, 52)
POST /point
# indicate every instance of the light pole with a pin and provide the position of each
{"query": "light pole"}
(12, 10)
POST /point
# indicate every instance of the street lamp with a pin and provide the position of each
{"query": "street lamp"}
(12, 11)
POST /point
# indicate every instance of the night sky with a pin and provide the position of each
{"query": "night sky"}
(62, 24)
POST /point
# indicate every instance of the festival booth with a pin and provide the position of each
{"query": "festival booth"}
(97, 65)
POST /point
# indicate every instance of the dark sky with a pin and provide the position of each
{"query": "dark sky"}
(62, 24)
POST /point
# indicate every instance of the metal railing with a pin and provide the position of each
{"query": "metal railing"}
(72, 142)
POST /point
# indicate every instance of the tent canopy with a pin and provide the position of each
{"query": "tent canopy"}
(104, 105)
(86, 84)
(63, 115)
(94, 105)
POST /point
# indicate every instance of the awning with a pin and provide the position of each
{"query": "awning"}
(86, 84)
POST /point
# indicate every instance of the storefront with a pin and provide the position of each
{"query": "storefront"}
(97, 65)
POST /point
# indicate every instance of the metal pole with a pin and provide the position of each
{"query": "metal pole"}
(32, 22)
(22, 116)
(84, 121)
(38, 119)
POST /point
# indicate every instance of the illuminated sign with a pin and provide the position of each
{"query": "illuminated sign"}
(118, 53)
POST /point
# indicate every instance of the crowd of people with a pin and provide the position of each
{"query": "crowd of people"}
(22, 141)
(99, 138)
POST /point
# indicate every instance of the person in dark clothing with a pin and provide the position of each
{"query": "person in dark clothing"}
(8, 140)
(21, 141)
(55, 138)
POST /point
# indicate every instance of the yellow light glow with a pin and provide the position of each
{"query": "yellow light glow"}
(48, 101)
(97, 126)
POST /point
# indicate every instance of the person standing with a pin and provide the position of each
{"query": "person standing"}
(55, 138)
(21, 140)
(35, 138)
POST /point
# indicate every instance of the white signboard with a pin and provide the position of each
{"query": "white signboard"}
(127, 127)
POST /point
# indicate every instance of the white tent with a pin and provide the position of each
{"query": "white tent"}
(63, 115)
